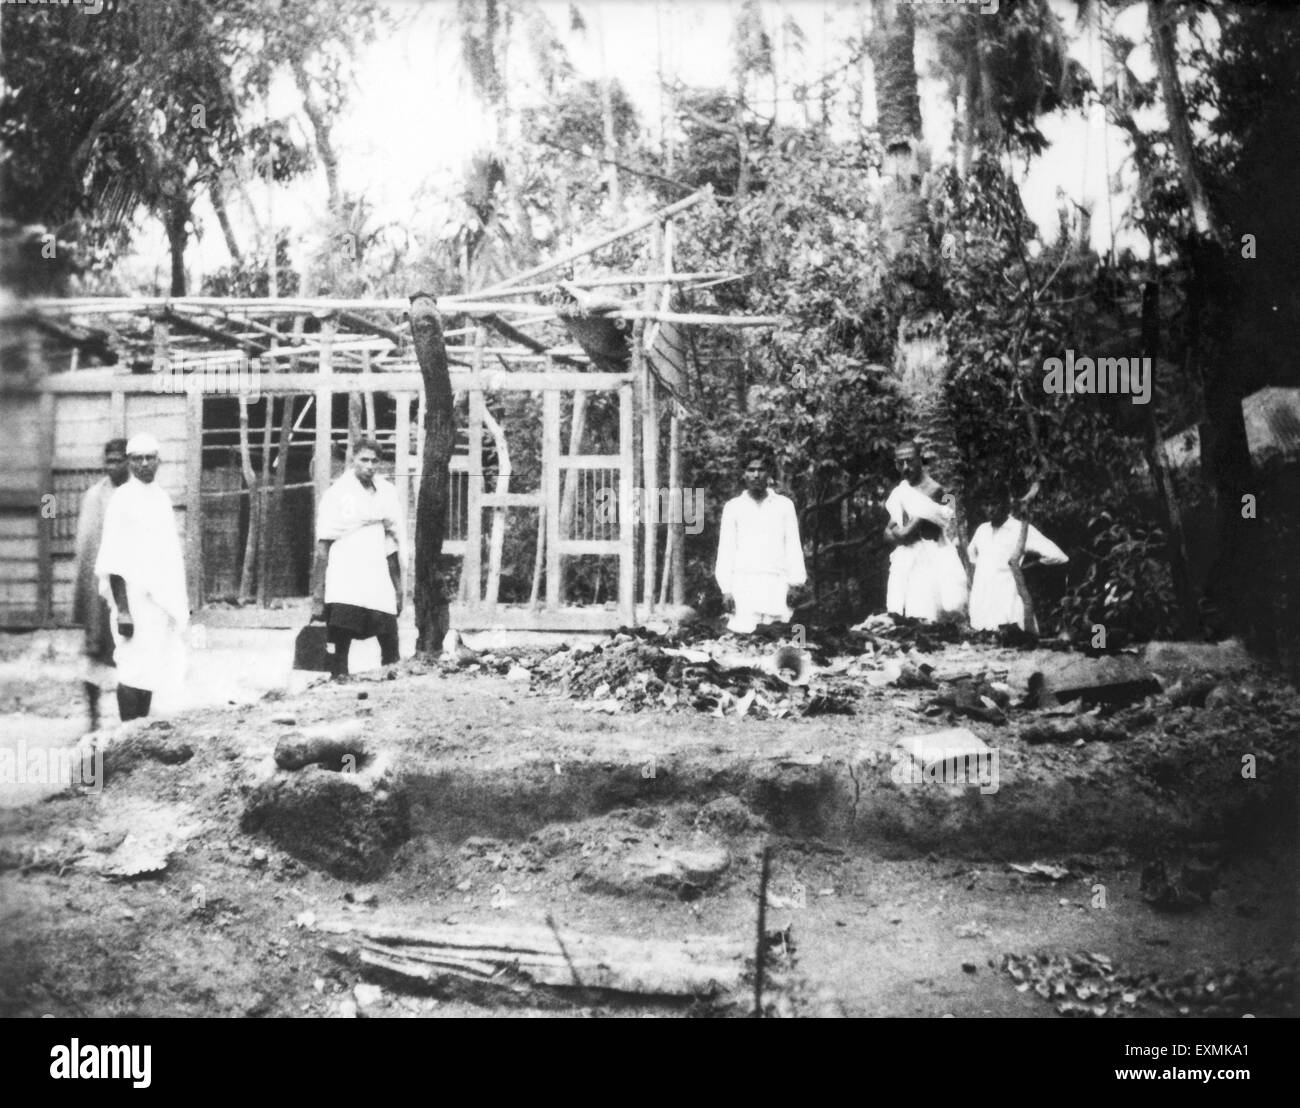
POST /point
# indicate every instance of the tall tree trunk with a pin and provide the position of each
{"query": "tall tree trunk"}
(178, 214)
(217, 194)
(1225, 451)
(1164, 47)
(432, 613)
(320, 126)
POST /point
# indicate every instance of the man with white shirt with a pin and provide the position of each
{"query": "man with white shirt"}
(760, 557)
(1003, 542)
(141, 573)
(358, 559)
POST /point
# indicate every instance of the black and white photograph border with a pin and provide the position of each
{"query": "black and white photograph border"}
(753, 508)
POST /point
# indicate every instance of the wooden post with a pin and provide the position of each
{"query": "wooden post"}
(626, 532)
(496, 544)
(193, 496)
(44, 522)
(650, 465)
(117, 413)
(677, 526)
(402, 477)
(354, 421)
(551, 495)
(254, 503)
(473, 571)
(372, 427)
(264, 505)
(323, 461)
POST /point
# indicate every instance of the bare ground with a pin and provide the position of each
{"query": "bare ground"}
(889, 900)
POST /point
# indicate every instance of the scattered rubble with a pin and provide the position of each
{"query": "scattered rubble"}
(1088, 984)
(773, 674)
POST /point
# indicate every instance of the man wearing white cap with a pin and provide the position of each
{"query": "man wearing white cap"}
(141, 574)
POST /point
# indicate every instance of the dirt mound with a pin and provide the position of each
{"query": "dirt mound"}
(347, 824)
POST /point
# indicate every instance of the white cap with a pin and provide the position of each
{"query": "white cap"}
(143, 443)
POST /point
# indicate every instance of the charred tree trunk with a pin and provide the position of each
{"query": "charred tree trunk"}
(432, 614)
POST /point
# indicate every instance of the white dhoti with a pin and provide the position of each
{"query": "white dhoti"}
(760, 559)
(759, 598)
(154, 656)
(926, 578)
(994, 598)
(142, 547)
(926, 581)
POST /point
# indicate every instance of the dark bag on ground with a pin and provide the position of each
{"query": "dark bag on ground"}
(311, 649)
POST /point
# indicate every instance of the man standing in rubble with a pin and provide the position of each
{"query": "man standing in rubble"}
(358, 589)
(760, 557)
(89, 608)
(141, 573)
(926, 578)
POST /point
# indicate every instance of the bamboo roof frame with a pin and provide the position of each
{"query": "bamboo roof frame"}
(375, 331)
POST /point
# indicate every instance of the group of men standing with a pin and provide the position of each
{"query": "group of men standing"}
(760, 556)
(130, 594)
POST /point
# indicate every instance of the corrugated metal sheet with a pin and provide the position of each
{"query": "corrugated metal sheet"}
(1272, 417)
(1273, 425)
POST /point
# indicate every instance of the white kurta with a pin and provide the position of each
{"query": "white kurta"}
(994, 598)
(926, 578)
(760, 558)
(365, 526)
(142, 546)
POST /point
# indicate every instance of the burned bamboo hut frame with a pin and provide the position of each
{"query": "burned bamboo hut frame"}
(311, 351)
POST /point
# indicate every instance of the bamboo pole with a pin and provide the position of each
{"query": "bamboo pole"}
(577, 429)
(539, 557)
(588, 248)
(250, 481)
(368, 395)
(323, 462)
(496, 544)
(263, 513)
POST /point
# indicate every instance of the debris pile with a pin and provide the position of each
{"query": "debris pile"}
(633, 671)
(1088, 984)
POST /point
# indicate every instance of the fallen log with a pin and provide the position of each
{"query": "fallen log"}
(693, 966)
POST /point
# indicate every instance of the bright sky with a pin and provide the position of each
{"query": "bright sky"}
(413, 120)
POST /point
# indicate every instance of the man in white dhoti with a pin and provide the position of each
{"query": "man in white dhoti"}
(141, 573)
(89, 608)
(926, 578)
(995, 598)
(358, 589)
(760, 557)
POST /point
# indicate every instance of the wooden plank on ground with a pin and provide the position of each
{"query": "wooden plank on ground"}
(690, 966)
